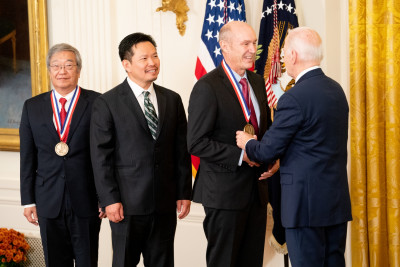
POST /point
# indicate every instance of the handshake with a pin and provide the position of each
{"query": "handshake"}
(241, 140)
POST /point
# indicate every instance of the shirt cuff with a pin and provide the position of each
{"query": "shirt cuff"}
(30, 205)
(241, 158)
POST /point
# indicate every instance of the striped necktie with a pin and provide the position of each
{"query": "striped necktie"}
(150, 114)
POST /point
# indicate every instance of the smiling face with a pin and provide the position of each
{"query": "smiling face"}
(64, 81)
(144, 66)
(240, 47)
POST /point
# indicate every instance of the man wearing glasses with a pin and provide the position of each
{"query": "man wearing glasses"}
(57, 185)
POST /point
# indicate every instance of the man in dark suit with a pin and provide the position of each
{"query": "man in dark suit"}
(223, 101)
(57, 185)
(140, 159)
(309, 135)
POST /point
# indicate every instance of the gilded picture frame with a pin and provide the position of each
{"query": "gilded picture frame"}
(38, 46)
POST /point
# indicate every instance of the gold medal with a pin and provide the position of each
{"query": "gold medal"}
(61, 149)
(248, 128)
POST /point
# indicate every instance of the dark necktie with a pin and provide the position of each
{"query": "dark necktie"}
(63, 113)
(253, 117)
(150, 114)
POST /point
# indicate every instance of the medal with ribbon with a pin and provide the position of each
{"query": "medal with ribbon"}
(248, 128)
(62, 148)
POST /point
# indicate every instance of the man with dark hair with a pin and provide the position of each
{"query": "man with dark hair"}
(140, 159)
(57, 185)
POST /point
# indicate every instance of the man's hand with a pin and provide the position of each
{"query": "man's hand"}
(183, 208)
(242, 138)
(31, 215)
(102, 214)
(115, 212)
(251, 163)
(272, 169)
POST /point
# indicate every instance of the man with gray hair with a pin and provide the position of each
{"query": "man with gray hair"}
(309, 136)
(57, 184)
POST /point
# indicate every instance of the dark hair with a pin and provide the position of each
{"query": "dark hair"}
(125, 46)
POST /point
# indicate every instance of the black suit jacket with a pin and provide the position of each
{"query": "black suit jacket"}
(215, 115)
(309, 135)
(130, 167)
(45, 175)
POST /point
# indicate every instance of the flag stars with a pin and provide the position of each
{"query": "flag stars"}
(221, 4)
(239, 9)
(220, 20)
(289, 8)
(217, 35)
(209, 34)
(212, 4)
(232, 6)
(280, 5)
(210, 19)
(217, 51)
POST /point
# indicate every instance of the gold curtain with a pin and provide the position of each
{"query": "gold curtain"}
(375, 132)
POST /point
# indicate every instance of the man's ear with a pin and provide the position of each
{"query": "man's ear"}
(126, 64)
(293, 56)
(224, 46)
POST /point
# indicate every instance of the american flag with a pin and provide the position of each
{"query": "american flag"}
(278, 16)
(218, 13)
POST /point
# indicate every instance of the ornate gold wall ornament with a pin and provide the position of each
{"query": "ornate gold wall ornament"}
(180, 8)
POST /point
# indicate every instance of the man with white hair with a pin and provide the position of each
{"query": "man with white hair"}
(309, 136)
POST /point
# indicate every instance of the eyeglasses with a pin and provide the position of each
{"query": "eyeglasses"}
(57, 67)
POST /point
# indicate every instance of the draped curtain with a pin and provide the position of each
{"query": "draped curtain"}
(375, 132)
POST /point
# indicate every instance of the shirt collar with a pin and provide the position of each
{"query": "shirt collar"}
(68, 96)
(305, 71)
(238, 77)
(137, 90)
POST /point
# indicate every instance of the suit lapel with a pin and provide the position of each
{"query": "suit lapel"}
(132, 103)
(47, 112)
(228, 84)
(162, 105)
(231, 91)
(78, 113)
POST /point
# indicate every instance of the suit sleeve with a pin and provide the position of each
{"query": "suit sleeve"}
(102, 139)
(203, 112)
(28, 159)
(182, 162)
(276, 139)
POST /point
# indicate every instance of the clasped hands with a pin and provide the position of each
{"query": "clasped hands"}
(241, 140)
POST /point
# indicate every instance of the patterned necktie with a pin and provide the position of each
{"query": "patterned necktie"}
(150, 114)
(253, 117)
(63, 113)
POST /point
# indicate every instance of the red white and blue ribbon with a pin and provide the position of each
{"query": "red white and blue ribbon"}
(63, 131)
(239, 93)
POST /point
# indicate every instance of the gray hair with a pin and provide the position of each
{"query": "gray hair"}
(307, 43)
(64, 47)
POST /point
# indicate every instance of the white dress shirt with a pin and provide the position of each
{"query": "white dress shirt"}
(138, 92)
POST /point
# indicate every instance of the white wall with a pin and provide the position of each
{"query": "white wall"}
(96, 27)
